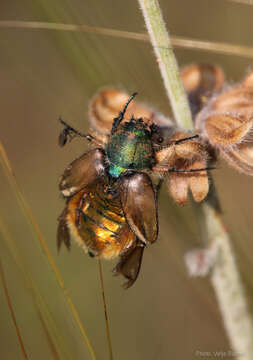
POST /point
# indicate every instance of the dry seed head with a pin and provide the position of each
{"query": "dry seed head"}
(201, 81)
(227, 129)
(107, 105)
(237, 99)
(227, 119)
(248, 80)
(187, 151)
(104, 107)
(240, 157)
(226, 123)
(187, 155)
(202, 77)
(197, 182)
(178, 188)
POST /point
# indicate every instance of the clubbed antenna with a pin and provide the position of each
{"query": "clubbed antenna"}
(117, 120)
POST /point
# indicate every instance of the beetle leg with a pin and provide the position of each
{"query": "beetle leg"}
(79, 209)
(130, 264)
(68, 133)
(63, 235)
(173, 170)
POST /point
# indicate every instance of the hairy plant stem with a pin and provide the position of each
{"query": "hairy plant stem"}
(225, 275)
(167, 62)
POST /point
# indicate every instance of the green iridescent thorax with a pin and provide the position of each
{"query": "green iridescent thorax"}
(130, 147)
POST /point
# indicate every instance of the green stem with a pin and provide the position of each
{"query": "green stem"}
(167, 62)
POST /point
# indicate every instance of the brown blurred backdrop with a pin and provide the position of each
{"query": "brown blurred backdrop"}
(45, 74)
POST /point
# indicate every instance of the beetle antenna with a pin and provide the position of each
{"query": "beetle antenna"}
(117, 120)
(176, 142)
(128, 102)
(191, 170)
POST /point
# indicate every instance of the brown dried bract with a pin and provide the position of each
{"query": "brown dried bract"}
(201, 81)
(106, 105)
(185, 158)
(197, 182)
(226, 123)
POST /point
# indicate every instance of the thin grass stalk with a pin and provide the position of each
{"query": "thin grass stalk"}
(36, 230)
(12, 313)
(225, 275)
(108, 335)
(177, 41)
(244, 2)
(39, 303)
(49, 338)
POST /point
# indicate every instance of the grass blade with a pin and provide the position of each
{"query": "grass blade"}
(30, 218)
(39, 303)
(244, 2)
(8, 300)
(177, 41)
(105, 311)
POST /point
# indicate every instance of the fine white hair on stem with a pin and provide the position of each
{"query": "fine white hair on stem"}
(225, 276)
(167, 62)
(229, 288)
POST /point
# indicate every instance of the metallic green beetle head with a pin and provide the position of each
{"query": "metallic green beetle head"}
(130, 148)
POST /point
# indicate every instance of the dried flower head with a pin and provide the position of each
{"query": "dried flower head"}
(226, 122)
(201, 81)
(184, 157)
(105, 106)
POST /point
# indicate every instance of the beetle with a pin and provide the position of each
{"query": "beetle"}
(111, 191)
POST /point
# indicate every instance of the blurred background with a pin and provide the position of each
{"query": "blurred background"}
(45, 74)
